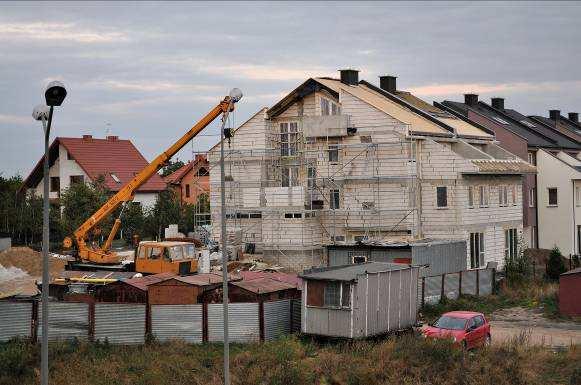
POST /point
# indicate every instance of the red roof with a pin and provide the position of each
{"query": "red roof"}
(143, 282)
(177, 176)
(292, 279)
(101, 157)
(263, 285)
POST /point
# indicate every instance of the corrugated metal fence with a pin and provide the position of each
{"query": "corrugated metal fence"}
(477, 282)
(243, 323)
(184, 322)
(15, 320)
(277, 319)
(120, 323)
(66, 320)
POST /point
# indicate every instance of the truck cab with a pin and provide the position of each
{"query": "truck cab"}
(166, 257)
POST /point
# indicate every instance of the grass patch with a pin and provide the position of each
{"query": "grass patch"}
(407, 359)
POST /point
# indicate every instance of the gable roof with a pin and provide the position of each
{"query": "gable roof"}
(179, 174)
(100, 157)
(562, 126)
(533, 137)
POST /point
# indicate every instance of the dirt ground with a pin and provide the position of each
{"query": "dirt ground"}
(530, 326)
(21, 267)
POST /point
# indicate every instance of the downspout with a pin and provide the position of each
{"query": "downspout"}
(574, 251)
(537, 221)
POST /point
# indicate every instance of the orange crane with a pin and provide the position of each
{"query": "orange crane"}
(102, 255)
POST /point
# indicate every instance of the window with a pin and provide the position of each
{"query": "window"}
(510, 243)
(442, 196)
(527, 123)
(476, 250)
(334, 199)
(359, 238)
(532, 158)
(293, 215)
(484, 196)
(288, 138)
(69, 157)
(115, 178)
(202, 172)
(290, 176)
(471, 197)
(553, 199)
(337, 238)
(77, 179)
(368, 205)
(329, 107)
(514, 196)
(333, 153)
(499, 120)
(578, 196)
(503, 196)
(337, 294)
(255, 215)
(533, 237)
(55, 184)
(187, 191)
(532, 197)
(311, 177)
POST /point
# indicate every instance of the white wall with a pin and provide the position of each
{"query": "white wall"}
(64, 169)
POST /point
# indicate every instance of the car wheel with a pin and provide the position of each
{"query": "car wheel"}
(488, 340)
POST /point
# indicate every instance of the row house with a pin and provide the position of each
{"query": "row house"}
(340, 161)
(554, 141)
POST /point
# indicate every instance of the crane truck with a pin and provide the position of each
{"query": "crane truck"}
(150, 257)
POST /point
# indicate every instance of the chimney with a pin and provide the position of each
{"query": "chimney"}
(574, 117)
(497, 103)
(554, 114)
(112, 138)
(388, 83)
(87, 137)
(471, 99)
(349, 76)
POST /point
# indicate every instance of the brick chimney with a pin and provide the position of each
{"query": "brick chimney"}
(471, 99)
(497, 103)
(574, 117)
(554, 114)
(87, 137)
(388, 83)
(349, 77)
(112, 138)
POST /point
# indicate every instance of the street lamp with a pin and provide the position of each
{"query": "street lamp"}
(54, 95)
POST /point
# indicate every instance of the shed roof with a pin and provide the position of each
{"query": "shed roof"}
(202, 279)
(291, 279)
(263, 285)
(574, 271)
(350, 272)
(143, 282)
(101, 157)
(503, 166)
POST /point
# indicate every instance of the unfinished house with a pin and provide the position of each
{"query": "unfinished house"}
(341, 161)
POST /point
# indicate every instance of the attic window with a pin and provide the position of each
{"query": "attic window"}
(499, 120)
(115, 178)
(527, 123)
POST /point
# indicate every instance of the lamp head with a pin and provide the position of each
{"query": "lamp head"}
(40, 112)
(235, 95)
(55, 93)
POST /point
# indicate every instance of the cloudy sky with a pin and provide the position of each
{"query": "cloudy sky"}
(148, 71)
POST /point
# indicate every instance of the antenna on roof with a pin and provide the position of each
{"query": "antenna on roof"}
(107, 128)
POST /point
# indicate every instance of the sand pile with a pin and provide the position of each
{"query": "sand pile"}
(20, 267)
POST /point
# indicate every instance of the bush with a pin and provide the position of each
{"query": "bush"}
(555, 265)
(518, 269)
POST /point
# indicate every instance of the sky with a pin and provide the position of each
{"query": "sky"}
(148, 71)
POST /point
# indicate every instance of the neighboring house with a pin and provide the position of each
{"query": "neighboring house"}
(191, 180)
(338, 161)
(559, 202)
(86, 159)
(523, 136)
(568, 127)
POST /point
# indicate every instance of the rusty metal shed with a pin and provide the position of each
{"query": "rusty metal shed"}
(569, 289)
(359, 300)
(134, 290)
(261, 290)
(184, 290)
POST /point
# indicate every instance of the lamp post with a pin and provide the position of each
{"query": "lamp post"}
(54, 95)
(235, 96)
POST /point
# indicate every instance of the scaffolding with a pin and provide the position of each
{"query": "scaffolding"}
(301, 193)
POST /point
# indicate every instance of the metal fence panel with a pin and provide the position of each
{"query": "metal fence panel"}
(469, 282)
(243, 322)
(66, 320)
(120, 323)
(433, 289)
(296, 305)
(177, 322)
(485, 281)
(451, 282)
(276, 319)
(15, 320)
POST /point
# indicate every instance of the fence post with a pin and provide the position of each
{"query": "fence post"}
(443, 291)
(92, 321)
(493, 283)
(423, 291)
(205, 322)
(459, 283)
(477, 282)
(147, 319)
(34, 321)
(291, 312)
(261, 319)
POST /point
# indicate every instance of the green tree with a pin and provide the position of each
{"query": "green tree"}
(165, 211)
(555, 264)
(171, 166)
(132, 221)
(519, 268)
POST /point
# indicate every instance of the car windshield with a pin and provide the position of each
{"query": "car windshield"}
(447, 322)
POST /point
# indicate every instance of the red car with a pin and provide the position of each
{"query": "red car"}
(467, 328)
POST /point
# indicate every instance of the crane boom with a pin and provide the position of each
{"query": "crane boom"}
(126, 193)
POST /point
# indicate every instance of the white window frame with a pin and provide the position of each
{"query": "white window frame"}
(470, 197)
(483, 193)
(514, 195)
(549, 204)
(578, 196)
(342, 295)
(333, 149)
(334, 204)
(329, 107)
(288, 138)
(476, 247)
(289, 176)
(511, 243)
(532, 158)
(502, 196)
(532, 197)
